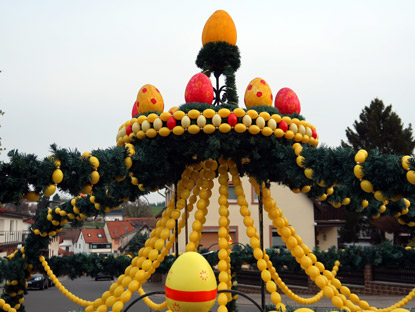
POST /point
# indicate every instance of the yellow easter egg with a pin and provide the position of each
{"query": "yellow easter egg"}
(258, 93)
(190, 284)
(149, 99)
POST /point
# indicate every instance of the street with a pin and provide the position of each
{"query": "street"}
(87, 288)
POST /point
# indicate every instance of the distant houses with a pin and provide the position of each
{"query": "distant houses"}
(113, 238)
(14, 227)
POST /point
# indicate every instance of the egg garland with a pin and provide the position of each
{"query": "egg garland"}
(212, 119)
(190, 146)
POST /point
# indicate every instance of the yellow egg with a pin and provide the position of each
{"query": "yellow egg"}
(216, 120)
(149, 99)
(190, 284)
(258, 93)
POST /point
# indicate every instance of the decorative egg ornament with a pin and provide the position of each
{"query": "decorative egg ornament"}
(199, 90)
(149, 99)
(287, 102)
(190, 284)
(135, 111)
(258, 93)
(219, 27)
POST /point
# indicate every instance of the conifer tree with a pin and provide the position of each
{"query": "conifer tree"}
(380, 128)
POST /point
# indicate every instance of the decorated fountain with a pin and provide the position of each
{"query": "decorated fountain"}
(196, 147)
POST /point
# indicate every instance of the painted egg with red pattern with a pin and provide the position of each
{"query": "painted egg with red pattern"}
(190, 284)
(135, 111)
(149, 99)
(199, 90)
(287, 102)
(258, 93)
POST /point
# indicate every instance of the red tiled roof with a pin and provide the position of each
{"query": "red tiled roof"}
(118, 228)
(94, 236)
(64, 252)
(70, 234)
(139, 222)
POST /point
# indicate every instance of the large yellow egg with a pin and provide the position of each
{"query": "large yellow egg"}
(219, 27)
(258, 93)
(190, 284)
(149, 99)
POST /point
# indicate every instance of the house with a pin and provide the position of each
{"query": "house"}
(68, 238)
(327, 221)
(138, 223)
(297, 208)
(92, 241)
(13, 230)
(118, 234)
(114, 215)
(53, 248)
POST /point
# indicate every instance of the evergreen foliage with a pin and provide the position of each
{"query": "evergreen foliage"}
(1, 113)
(380, 128)
(137, 242)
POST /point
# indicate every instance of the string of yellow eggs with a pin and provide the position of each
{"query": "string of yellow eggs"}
(150, 256)
(331, 287)
(59, 285)
(209, 121)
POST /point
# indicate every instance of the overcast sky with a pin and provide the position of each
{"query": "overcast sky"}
(71, 70)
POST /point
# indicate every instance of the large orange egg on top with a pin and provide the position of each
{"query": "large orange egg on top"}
(258, 93)
(149, 99)
(190, 284)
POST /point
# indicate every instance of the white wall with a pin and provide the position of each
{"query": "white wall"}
(297, 208)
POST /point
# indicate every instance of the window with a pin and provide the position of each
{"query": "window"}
(276, 241)
(89, 234)
(99, 235)
(12, 225)
(254, 196)
(232, 195)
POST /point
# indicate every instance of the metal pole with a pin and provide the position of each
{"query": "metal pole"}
(176, 232)
(261, 239)
(185, 225)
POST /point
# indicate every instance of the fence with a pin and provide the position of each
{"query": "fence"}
(368, 281)
(13, 237)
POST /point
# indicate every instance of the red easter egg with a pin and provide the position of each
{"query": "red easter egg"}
(232, 119)
(135, 111)
(283, 126)
(129, 130)
(171, 123)
(314, 133)
(199, 90)
(287, 102)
